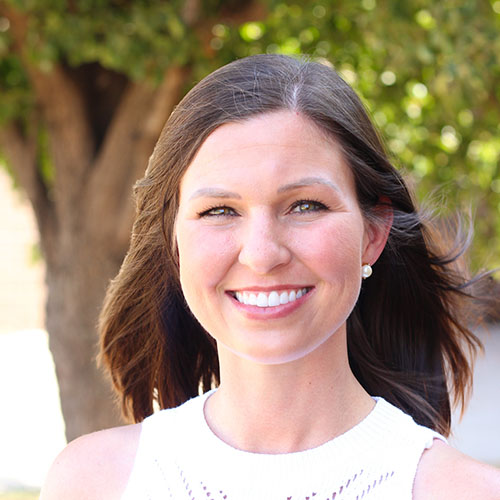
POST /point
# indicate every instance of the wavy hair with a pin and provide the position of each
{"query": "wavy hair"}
(408, 336)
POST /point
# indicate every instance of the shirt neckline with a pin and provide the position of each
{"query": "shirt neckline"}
(360, 432)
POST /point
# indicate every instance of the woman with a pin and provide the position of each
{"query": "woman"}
(278, 255)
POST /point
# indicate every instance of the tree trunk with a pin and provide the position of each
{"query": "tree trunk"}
(102, 129)
(84, 220)
(76, 280)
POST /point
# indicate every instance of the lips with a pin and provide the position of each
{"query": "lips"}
(271, 298)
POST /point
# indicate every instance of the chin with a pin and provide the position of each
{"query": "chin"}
(278, 354)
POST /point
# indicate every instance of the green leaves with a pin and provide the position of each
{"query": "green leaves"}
(140, 39)
(252, 31)
(15, 94)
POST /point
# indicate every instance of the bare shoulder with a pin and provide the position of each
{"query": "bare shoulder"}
(445, 473)
(94, 466)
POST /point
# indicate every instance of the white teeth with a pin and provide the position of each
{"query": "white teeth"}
(262, 300)
(272, 299)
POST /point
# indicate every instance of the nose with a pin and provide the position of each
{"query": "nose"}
(264, 244)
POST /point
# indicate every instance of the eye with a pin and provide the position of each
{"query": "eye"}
(307, 206)
(220, 211)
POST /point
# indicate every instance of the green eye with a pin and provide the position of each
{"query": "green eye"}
(218, 212)
(307, 206)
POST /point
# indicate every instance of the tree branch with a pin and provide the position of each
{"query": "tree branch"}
(21, 153)
(63, 107)
(191, 12)
(124, 154)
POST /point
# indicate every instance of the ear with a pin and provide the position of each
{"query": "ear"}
(377, 231)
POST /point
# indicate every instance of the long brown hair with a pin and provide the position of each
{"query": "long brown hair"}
(408, 329)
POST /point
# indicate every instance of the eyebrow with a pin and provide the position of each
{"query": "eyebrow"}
(307, 181)
(211, 192)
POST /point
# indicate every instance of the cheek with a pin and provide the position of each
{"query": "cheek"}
(204, 256)
(334, 251)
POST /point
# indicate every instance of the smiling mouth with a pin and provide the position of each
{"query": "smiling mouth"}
(270, 299)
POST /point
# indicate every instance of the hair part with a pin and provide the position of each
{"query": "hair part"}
(409, 328)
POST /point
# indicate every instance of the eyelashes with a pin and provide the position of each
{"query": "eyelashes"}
(218, 211)
(306, 206)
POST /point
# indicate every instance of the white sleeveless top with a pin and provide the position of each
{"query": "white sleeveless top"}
(180, 458)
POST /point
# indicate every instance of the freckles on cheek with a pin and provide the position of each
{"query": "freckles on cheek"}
(204, 256)
(338, 250)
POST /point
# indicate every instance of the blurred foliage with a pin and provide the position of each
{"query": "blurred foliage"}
(20, 495)
(428, 71)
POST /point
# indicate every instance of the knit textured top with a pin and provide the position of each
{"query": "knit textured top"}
(180, 458)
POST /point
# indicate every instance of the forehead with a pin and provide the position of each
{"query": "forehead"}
(284, 127)
(276, 145)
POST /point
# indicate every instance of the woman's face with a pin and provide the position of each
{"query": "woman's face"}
(271, 239)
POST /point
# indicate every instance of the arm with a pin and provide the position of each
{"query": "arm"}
(95, 466)
(446, 474)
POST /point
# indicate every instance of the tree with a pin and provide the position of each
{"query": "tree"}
(76, 141)
(86, 86)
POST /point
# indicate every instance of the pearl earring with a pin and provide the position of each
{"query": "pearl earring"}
(366, 271)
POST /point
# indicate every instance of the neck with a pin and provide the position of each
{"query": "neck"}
(287, 407)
